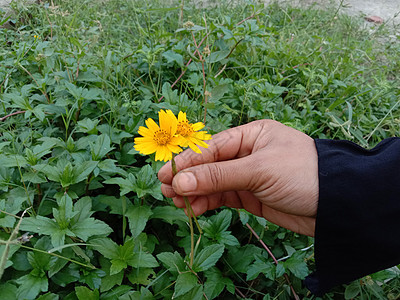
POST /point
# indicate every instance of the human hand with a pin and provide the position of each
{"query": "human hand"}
(265, 167)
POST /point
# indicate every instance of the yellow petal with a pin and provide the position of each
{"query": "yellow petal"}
(200, 143)
(145, 139)
(194, 147)
(182, 116)
(144, 131)
(160, 153)
(177, 140)
(168, 121)
(197, 126)
(174, 148)
(168, 156)
(152, 125)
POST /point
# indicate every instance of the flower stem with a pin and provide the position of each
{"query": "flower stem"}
(189, 210)
(191, 215)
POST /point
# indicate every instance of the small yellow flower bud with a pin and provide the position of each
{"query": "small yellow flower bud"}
(206, 51)
(188, 24)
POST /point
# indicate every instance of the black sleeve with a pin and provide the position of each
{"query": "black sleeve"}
(358, 220)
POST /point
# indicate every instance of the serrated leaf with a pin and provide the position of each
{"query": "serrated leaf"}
(173, 261)
(141, 276)
(169, 214)
(194, 294)
(83, 170)
(215, 283)
(106, 247)
(217, 56)
(126, 185)
(208, 257)
(352, 290)
(143, 260)
(296, 265)
(219, 91)
(83, 293)
(49, 296)
(90, 227)
(184, 283)
(8, 291)
(259, 266)
(82, 208)
(280, 270)
(108, 165)
(117, 265)
(31, 286)
(100, 147)
(138, 216)
(172, 56)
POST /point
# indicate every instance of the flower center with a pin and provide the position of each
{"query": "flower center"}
(161, 137)
(184, 128)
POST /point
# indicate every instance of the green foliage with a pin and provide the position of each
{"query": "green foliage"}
(96, 223)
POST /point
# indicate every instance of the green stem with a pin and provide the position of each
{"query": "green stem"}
(59, 256)
(191, 214)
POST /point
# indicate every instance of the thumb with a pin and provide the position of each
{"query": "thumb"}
(205, 179)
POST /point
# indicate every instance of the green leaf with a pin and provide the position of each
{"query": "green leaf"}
(296, 265)
(39, 260)
(126, 185)
(87, 126)
(8, 291)
(43, 225)
(143, 260)
(208, 257)
(108, 165)
(142, 276)
(138, 216)
(173, 261)
(83, 293)
(352, 290)
(117, 265)
(260, 266)
(194, 294)
(106, 247)
(147, 183)
(82, 209)
(216, 226)
(184, 283)
(217, 56)
(83, 170)
(218, 92)
(215, 283)
(172, 56)
(49, 296)
(31, 286)
(169, 214)
(90, 227)
(280, 270)
(100, 147)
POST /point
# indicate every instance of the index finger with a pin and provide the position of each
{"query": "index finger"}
(228, 144)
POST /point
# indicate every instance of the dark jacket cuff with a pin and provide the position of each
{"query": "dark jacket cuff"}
(358, 219)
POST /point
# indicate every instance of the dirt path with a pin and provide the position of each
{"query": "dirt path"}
(388, 10)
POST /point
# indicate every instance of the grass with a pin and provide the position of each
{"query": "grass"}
(73, 97)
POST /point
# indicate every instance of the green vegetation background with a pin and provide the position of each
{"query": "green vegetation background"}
(77, 79)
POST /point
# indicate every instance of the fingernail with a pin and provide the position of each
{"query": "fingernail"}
(186, 182)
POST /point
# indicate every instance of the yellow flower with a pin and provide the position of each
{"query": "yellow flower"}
(162, 139)
(191, 133)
